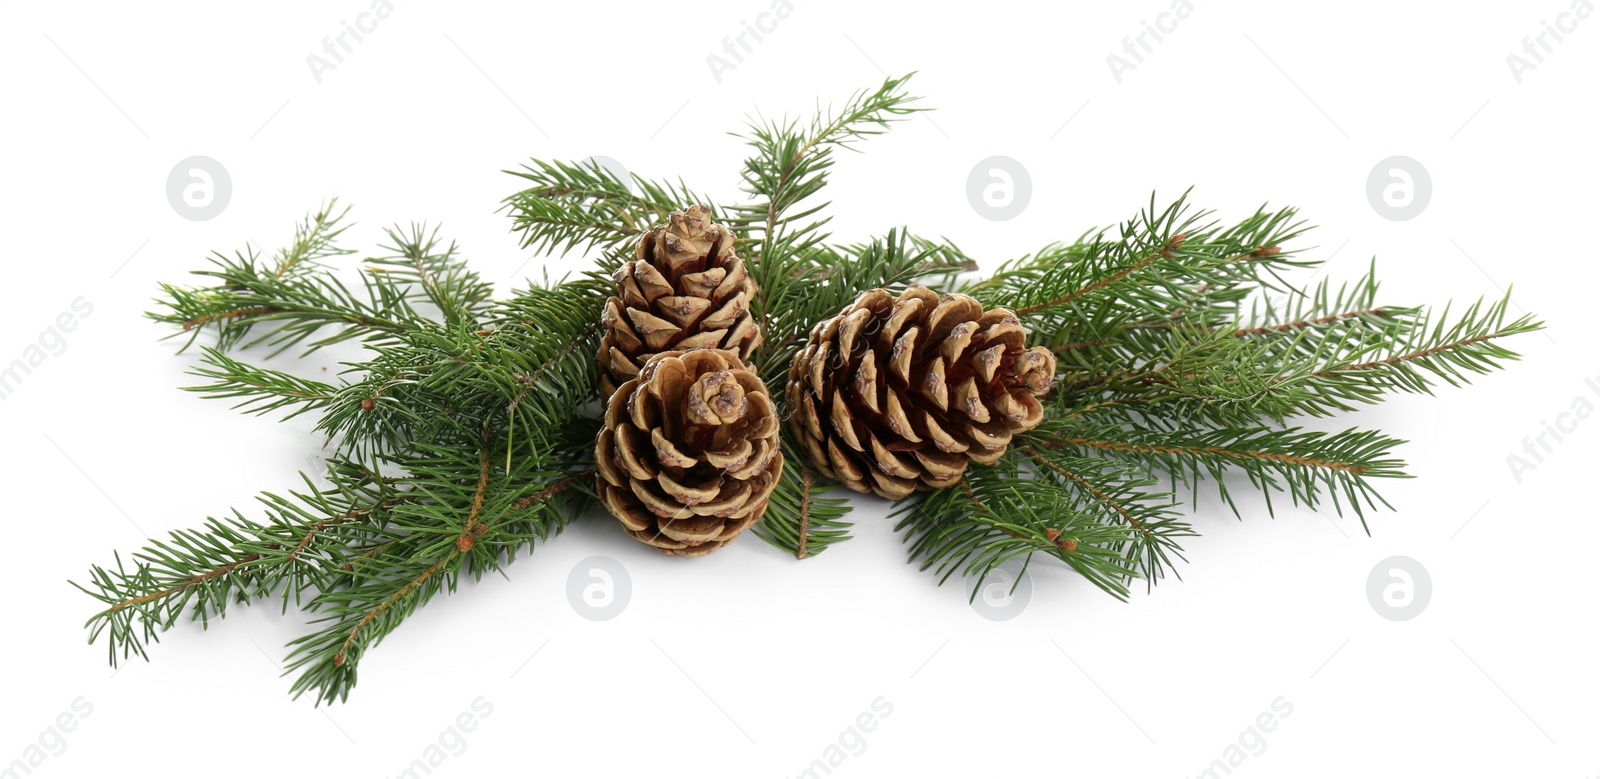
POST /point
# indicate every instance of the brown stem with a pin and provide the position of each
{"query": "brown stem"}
(185, 583)
(363, 321)
(1234, 454)
(1127, 516)
(590, 194)
(234, 314)
(1258, 252)
(1400, 358)
(1051, 534)
(423, 274)
(223, 570)
(805, 510)
(1079, 345)
(345, 517)
(290, 262)
(1269, 329)
(1172, 245)
(1093, 407)
(528, 380)
(966, 488)
(554, 489)
(586, 225)
(1095, 381)
(367, 554)
(338, 659)
(234, 377)
(471, 530)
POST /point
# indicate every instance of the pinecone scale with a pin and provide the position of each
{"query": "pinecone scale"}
(901, 393)
(687, 289)
(689, 452)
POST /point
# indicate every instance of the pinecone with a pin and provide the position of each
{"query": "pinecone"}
(895, 395)
(689, 452)
(686, 290)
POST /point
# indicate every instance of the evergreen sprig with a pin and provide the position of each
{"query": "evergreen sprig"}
(463, 434)
(1000, 513)
(1184, 351)
(584, 205)
(789, 165)
(306, 538)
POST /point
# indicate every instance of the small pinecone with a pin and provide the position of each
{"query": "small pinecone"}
(895, 395)
(689, 453)
(686, 290)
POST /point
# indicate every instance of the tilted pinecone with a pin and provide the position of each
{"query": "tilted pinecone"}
(686, 290)
(899, 394)
(689, 452)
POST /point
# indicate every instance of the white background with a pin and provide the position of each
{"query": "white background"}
(746, 663)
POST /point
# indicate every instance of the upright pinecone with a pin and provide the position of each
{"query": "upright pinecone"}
(898, 394)
(687, 289)
(689, 452)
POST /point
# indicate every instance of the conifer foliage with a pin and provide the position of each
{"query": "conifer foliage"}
(1182, 351)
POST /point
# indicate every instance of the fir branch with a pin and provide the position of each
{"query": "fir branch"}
(292, 297)
(584, 205)
(1119, 495)
(436, 272)
(999, 513)
(1352, 306)
(531, 355)
(799, 519)
(1316, 371)
(1115, 276)
(1369, 313)
(469, 533)
(790, 164)
(314, 240)
(261, 390)
(473, 521)
(234, 559)
(441, 384)
(1449, 352)
(1311, 466)
(1175, 263)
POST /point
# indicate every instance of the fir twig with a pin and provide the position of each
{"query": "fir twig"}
(464, 433)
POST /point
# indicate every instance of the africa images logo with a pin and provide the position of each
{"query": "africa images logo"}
(51, 342)
(1551, 34)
